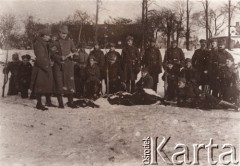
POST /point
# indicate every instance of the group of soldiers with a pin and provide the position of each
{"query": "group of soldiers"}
(62, 70)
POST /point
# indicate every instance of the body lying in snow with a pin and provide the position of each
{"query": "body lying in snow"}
(141, 97)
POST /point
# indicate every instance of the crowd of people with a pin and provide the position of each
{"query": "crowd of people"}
(209, 80)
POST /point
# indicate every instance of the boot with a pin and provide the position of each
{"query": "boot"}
(60, 101)
(39, 105)
(70, 102)
(49, 102)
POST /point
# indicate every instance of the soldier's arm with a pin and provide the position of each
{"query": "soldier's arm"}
(41, 58)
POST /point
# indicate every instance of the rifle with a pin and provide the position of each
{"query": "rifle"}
(165, 84)
(5, 79)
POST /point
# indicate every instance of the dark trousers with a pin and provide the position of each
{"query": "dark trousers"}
(92, 88)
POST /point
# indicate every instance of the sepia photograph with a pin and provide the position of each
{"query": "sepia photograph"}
(119, 82)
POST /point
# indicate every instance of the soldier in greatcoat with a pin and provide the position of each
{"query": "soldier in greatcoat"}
(63, 68)
(131, 64)
(201, 62)
(174, 54)
(152, 59)
(13, 68)
(42, 78)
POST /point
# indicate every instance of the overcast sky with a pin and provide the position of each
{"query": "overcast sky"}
(56, 10)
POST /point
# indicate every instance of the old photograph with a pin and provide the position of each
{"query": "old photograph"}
(119, 82)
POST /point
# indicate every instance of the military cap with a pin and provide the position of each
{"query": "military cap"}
(129, 38)
(63, 29)
(202, 41)
(181, 79)
(45, 31)
(188, 60)
(221, 42)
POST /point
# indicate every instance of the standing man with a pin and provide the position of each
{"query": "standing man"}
(42, 78)
(214, 76)
(64, 68)
(201, 62)
(131, 64)
(152, 59)
(113, 52)
(98, 55)
(174, 54)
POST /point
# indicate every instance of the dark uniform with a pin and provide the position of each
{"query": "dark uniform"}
(229, 79)
(25, 72)
(145, 82)
(100, 59)
(218, 61)
(42, 76)
(131, 65)
(13, 68)
(190, 73)
(80, 72)
(114, 73)
(92, 80)
(152, 59)
(201, 62)
(170, 77)
(192, 97)
(175, 55)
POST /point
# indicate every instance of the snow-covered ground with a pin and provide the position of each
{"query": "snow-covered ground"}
(107, 136)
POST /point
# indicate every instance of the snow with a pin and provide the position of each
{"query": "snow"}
(110, 135)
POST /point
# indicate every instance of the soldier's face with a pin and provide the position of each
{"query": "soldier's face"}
(170, 66)
(130, 42)
(174, 45)
(144, 74)
(96, 46)
(189, 64)
(63, 35)
(112, 48)
(203, 45)
(91, 61)
(181, 84)
(229, 63)
(46, 38)
(214, 45)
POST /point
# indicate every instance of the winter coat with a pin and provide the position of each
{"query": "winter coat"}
(42, 78)
(152, 59)
(25, 72)
(145, 82)
(63, 71)
(191, 75)
(131, 62)
(93, 73)
(201, 62)
(114, 72)
(82, 58)
(13, 68)
(176, 55)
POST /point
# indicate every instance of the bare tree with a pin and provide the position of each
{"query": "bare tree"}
(7, 28)
(79, 19)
